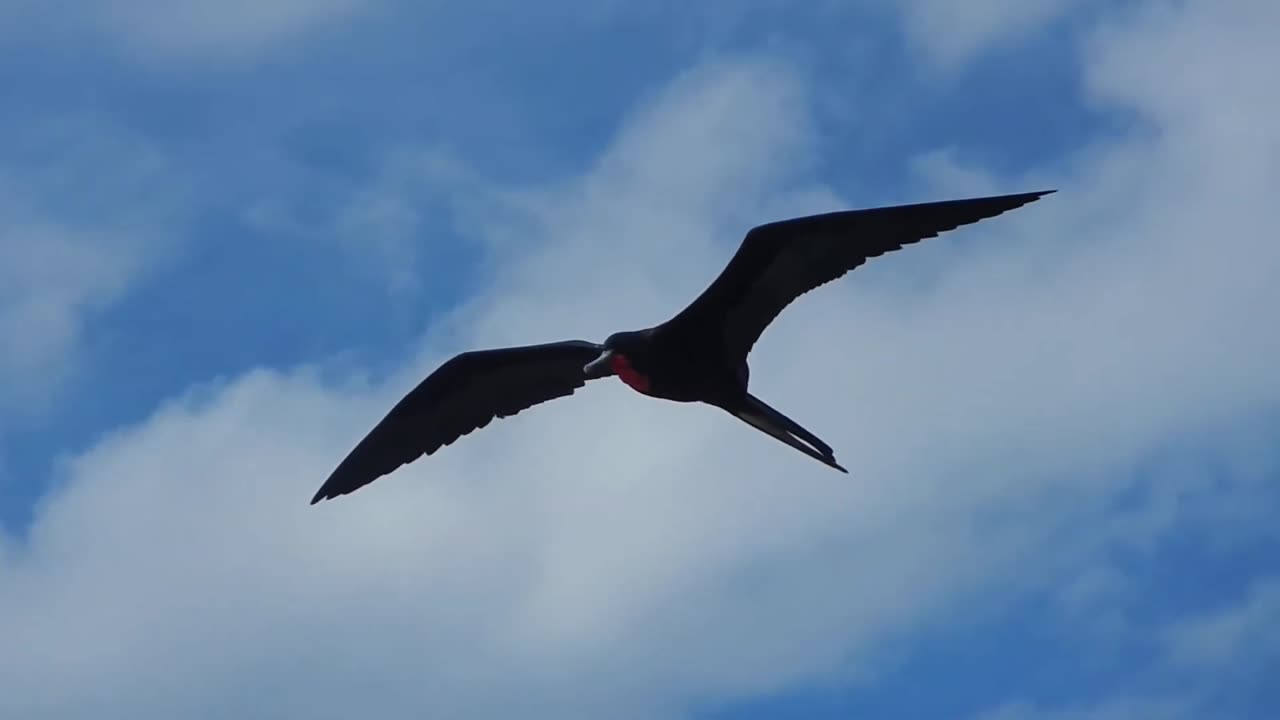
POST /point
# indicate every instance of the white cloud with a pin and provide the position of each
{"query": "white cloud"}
(391, 225)
(167, 30)
(952, 33)
(1240, 639)
(1118, 709)
(227, 29)
(1247, 634)
(608, 551)
(83, 209)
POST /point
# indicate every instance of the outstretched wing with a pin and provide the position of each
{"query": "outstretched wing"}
(780, 261)
(461, 396)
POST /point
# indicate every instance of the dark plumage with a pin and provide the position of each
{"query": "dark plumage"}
(700, 355)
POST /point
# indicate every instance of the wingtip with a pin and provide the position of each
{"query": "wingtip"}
(1025, 198)
(829, 459)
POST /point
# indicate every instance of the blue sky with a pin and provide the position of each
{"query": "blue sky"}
(232, 236)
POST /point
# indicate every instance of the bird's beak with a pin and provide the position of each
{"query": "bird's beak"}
(600, 367)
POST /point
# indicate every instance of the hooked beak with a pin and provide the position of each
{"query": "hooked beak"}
(600, 367)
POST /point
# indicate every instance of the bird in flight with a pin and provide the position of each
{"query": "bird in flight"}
(700, 355)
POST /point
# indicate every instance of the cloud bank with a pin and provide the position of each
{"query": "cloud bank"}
(992, 393)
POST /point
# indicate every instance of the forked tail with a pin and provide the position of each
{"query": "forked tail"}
(757, 414)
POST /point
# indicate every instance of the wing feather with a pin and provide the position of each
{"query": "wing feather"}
(780, 261)
(463, 395)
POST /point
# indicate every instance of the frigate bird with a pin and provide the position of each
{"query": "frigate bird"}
(699, 355)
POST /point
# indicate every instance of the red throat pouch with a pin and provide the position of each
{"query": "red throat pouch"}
(629, 375)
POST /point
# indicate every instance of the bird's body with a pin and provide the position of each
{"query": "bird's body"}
(664, 363)
(699, 355)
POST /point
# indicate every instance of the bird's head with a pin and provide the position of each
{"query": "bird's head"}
(623, 355)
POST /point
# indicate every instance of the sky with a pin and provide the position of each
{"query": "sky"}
(232, 235)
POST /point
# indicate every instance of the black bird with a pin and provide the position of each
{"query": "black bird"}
(700, 355)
